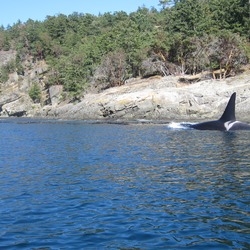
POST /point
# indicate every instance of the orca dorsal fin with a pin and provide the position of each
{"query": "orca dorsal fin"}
(229, 113)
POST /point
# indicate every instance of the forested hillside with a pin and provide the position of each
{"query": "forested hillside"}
(185, 36)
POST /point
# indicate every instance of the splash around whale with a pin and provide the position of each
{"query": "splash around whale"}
(227, 121)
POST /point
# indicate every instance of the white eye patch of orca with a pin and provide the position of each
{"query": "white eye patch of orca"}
(228, 125)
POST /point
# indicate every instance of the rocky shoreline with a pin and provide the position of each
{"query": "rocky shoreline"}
(155, 98)
(159, 99)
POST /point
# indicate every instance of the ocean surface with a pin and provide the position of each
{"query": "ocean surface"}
(82, 185)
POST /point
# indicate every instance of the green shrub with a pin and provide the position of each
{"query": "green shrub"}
(4, 76)
(6, 69)
(35, 93)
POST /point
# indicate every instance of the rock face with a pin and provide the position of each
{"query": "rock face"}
(55, 93)
(161, 98)
(17, 107)
(6, 56)
(14, 94)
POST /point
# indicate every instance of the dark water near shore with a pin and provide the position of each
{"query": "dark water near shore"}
(74, 185)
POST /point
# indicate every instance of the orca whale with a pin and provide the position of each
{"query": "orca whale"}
(227, 122)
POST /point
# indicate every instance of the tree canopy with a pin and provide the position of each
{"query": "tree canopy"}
(185, 36)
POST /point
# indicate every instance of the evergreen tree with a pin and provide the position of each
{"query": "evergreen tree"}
(185, 36)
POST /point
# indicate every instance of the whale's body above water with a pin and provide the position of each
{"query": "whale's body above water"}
(227, 122)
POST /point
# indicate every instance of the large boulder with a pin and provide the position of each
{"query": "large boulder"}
(55, 94)
(19, 107)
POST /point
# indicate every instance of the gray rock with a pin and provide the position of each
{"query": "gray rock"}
(160, 98)
(55, 93)
(19, 107)
(7, 98)
(156, 99)
(6, 57)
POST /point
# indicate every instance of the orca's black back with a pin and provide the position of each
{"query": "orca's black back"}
(212, 125)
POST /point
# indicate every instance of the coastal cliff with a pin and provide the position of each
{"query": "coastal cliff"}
(160, 98)
(79, 66)
(154, 98)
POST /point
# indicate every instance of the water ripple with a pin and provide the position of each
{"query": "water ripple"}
(85, 186)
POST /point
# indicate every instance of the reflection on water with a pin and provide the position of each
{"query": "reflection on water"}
(86, 186)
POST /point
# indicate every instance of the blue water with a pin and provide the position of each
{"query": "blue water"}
(75, 185)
